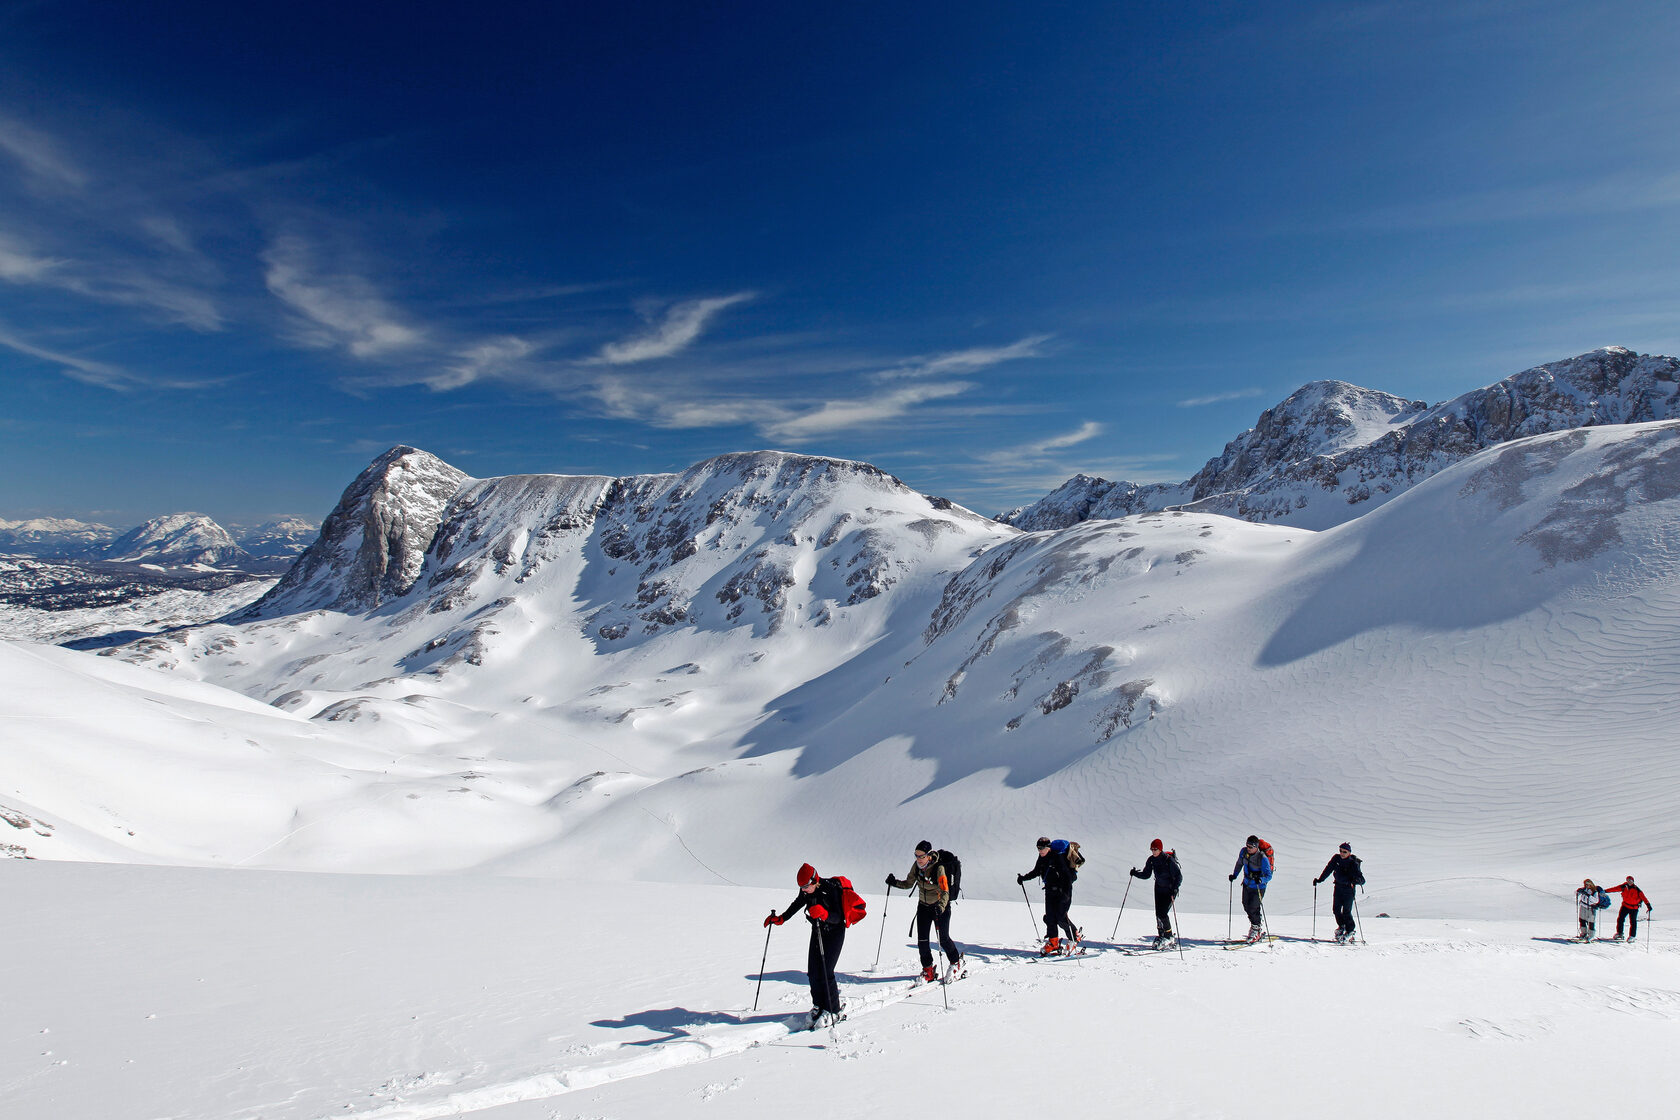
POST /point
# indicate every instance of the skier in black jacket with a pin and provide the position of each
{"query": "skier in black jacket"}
(1058, 875)
(1162, 866)
(820, 899)
(1344, 865)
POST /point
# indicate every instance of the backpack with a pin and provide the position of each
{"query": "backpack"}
(1070, 849)
(1271, 856)
(1170, 874)
(852, 908)
(953, 871)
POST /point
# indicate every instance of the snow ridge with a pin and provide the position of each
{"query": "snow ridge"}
(1332, 451)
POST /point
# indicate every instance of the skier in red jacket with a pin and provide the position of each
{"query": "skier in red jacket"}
(825, 909)
(1632, 896)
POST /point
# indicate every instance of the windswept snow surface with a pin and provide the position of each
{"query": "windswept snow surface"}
(136, 992)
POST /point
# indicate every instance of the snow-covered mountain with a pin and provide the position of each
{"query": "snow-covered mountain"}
(1331, 451)
(53, 536)
(281, 539)
(176, 540)
(690, 676)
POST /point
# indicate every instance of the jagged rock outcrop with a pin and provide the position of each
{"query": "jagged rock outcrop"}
(373, 544)
(1332, 451)
(176, 540)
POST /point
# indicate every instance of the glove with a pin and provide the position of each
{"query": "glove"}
(1316, 882)
(1134, 872)
(819, 912)
(1230, 878)
(1019, 879)
(773, 920)
(890, 882)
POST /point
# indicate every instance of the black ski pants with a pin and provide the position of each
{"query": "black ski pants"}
(1341, 905)
(1629, 914)
(826, 942)
(1163, 913)
(1253, 905)
(928, 914)
(1056, 918)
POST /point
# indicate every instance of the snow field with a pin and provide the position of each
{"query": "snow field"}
(197, 994)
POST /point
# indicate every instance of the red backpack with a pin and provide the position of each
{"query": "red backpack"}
(851, 903)
(1271, 856)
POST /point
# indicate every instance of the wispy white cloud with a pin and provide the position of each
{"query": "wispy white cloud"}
(842, 415)
(339, 310)
(19, 265)
(967, 361)
(117, 282)
(1038, 450)
(484, 359)
(1218, 398)
(676, 332)
(91, 372)
(40, 156)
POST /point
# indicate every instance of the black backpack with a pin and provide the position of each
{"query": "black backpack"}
(953, 870)
(1171, 874)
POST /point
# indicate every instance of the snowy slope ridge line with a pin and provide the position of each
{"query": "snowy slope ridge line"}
(1332, 451)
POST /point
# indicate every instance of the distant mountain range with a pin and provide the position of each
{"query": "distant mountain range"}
(175, 540)
(1332, 451)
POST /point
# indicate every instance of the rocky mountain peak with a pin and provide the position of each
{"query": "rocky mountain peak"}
(373, 545)
(1332, 450)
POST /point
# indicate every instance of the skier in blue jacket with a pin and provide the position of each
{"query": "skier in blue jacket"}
(1256, 871)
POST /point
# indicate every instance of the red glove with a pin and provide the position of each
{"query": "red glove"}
(774, 919)
(819, 912)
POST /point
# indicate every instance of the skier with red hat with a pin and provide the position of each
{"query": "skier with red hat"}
(824, 908)
(1162, 866)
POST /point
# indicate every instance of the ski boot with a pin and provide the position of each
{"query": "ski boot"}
(928, 974)
(956, 970)
(1076, 943)
(1254, 934)
(1052, 946)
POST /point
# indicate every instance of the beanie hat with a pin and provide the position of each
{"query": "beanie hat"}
(1156, 846)
(806, 873)
(1043, 842)
(1254, 839)
(924, 846)
(1346, 847)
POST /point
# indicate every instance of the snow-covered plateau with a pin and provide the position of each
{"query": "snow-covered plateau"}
(631, 707)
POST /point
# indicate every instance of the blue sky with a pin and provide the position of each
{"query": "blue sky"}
(245, 248)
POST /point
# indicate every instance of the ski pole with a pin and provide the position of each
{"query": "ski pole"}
(1030, 916)
(1265, 922)
(1358, 925)
(1315, 910)
(879, 941)
(1123, 899)
(1178, 929)
(1230, 896)
(762, 963)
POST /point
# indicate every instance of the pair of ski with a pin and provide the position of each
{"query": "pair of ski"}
(804, 1022)
(1264, 939)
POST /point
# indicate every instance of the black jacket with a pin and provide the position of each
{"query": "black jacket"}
(1054, 869)
(1165, 871)
(1345, 869)
(828, 895)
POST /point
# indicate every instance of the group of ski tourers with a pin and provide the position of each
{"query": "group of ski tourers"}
(832, 905)
(1592, 898)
